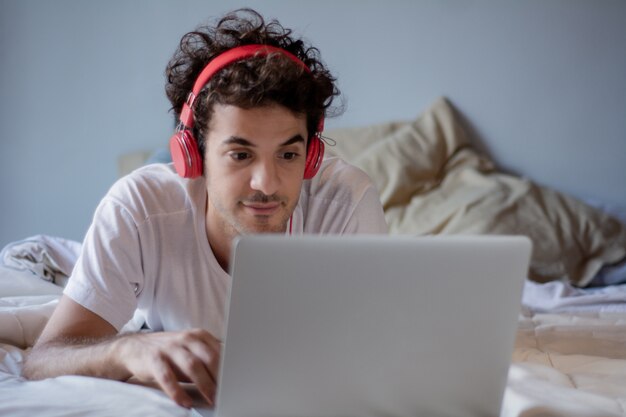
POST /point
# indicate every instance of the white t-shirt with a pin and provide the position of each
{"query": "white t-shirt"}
(147, 254)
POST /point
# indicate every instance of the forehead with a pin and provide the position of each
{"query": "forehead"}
(259, 125)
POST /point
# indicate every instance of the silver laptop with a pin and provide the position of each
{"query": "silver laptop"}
(323, 326)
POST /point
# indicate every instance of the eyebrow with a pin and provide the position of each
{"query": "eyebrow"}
(236, 140)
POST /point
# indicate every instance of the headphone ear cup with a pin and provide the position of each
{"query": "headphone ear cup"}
(185, 154)
(314, 156)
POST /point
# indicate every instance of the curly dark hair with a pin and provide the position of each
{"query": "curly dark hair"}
(252, 82)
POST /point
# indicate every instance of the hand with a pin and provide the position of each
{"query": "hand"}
(168, 358)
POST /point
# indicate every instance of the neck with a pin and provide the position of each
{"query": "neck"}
(220, 245)
(220, 237)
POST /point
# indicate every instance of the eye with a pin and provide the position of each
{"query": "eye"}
(239, 156)
(290, 155)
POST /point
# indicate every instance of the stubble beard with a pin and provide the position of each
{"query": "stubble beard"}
(234, 222)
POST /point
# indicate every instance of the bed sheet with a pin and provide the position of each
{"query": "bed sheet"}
(568, 364)
(26, 303)
(75, 395)
(569, 358)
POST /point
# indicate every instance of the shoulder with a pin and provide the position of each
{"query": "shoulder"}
(338, 180)
(341, 198)
(154, 189)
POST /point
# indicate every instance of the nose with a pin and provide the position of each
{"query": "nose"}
(265, 178)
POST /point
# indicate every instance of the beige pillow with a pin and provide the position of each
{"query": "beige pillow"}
(433, 181)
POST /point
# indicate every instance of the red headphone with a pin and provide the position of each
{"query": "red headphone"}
(183, 145)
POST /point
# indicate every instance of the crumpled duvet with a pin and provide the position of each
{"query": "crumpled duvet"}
(50, 258)
(433, 180)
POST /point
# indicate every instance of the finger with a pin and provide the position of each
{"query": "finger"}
(193, 368)
(208, 349)
(165, 377)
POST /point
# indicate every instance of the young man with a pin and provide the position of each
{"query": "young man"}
(159, 248)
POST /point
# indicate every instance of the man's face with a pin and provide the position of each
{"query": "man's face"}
(254, 165)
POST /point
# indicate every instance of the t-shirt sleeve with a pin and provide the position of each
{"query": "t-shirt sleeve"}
(109, 273)
(368, 216)
(342, 200)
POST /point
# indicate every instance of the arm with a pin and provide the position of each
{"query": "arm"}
(78, 341)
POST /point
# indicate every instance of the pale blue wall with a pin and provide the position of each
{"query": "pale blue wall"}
(81, 82)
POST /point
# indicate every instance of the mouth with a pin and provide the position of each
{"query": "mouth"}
(261, 209)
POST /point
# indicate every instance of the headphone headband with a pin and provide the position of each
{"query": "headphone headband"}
(224, 59)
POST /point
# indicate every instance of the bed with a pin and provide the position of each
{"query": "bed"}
(569, 357)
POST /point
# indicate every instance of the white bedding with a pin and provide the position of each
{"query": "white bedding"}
(568, 364)
(26, 302)
(75, 395)
(569, 358)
